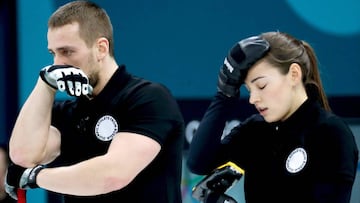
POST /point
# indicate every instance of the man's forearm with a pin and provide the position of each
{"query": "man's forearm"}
(30, 134)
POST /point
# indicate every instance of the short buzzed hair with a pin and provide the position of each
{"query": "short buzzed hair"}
(94, 22)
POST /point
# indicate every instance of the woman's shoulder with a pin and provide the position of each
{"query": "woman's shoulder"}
(334, 128)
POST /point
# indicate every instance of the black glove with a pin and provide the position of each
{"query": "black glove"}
(240, 58)
(66, 78)
(19, 177)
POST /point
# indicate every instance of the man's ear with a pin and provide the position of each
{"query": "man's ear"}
(102, 46)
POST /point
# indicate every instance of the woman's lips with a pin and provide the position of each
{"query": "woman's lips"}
(262, 111)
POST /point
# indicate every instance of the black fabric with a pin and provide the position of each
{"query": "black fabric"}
(14, 176)
(8, 199)
(262, 150)
(14, 173)
(204, 154)
(138, 106)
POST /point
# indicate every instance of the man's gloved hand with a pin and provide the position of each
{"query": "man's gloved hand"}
(66, 78)
(237, 63)
(19, 177)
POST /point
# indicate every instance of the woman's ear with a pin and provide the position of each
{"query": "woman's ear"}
(295, 72)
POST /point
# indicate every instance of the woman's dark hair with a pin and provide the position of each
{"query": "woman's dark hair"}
(285, 50)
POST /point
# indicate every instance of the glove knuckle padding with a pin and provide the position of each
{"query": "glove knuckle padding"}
(254, 48)
(238, 61)
(245, 53)
(66, 78)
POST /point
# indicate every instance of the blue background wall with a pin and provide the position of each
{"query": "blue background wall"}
(8, 68)
(182, 44)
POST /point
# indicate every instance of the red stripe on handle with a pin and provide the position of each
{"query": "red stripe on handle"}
(21, 194)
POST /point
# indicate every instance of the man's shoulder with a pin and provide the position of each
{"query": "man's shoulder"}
(147, 88)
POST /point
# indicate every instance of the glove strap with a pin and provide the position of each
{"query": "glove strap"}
(28, 179)
(43, 77)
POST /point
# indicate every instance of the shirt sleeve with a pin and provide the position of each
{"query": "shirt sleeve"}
(205, 152)
(153, 112)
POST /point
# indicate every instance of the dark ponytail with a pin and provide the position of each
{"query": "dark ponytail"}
(312, 80)
(286, 50)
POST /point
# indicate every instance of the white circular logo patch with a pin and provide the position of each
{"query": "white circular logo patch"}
(296, 160)
(106, 128)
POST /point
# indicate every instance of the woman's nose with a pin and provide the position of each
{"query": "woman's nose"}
(253, 98)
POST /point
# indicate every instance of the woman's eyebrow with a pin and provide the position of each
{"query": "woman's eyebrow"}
(255, 79)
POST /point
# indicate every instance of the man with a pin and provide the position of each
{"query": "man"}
(119, 140)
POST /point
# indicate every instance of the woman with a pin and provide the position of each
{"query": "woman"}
(295, 149)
